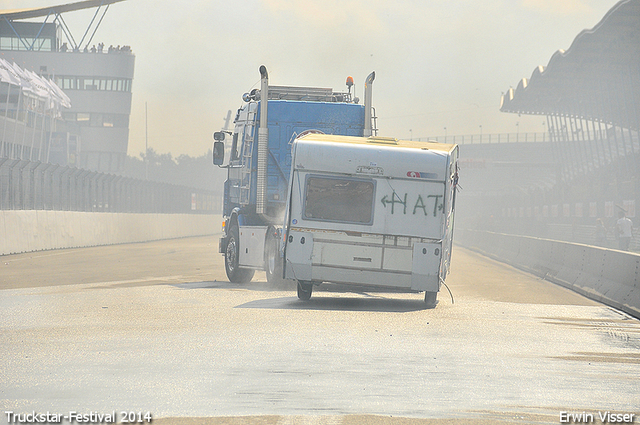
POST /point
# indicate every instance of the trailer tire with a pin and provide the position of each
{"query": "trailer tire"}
(431, 299)
(304, 290)
(273, 262)
(235, 273)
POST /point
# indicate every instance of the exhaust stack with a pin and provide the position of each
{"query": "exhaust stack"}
(263, 143)
(368, 87)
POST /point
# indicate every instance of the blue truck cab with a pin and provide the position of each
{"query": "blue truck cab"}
(288, 119)
(257, 155)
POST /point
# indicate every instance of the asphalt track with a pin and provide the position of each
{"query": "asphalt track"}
(156, 328)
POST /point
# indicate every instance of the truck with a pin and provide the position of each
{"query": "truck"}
(313, 195)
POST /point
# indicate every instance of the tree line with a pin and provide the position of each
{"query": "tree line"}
(184, 170)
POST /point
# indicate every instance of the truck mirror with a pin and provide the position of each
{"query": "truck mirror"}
(218, 152)
(218, 135)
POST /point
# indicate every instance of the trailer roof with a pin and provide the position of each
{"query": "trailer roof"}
(374, 157)
(381, 141)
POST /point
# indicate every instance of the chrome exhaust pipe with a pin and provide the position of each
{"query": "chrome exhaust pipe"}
(368, 87)
(263, 143)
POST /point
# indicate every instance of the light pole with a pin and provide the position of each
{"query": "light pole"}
(480, 133)
(146, 143)
(411, 133)
(445, 134)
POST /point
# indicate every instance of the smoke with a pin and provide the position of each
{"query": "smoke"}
(563, 8)
(438, 63)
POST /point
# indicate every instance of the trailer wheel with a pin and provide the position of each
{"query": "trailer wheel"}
(273, 262)
(431, 299)
(304, 290)
(235, 273)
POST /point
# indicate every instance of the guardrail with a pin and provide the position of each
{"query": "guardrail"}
(28, 231)
(29, 185)
(606, 275)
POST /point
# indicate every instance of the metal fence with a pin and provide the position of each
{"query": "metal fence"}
(489, 138)
(28, 185)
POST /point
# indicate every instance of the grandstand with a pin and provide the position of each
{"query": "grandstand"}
(92, 133)
(589, 169)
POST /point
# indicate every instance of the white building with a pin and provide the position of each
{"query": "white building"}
(97, 78)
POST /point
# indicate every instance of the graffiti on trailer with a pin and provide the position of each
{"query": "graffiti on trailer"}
(420, 203)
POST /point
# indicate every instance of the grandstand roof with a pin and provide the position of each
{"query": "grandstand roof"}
(598, 77)
(18, 14)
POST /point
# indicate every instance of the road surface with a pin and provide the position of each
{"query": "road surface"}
(157, 328)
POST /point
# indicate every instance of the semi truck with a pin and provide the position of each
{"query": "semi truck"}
(313, 195)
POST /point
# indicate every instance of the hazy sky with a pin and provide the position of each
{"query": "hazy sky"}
(438, 63)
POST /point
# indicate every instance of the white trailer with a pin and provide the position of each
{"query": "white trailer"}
(370, 212)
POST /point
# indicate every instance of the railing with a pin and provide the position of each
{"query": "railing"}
(489, 138)
(28, 185)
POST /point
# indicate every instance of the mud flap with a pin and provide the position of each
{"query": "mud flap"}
(297, 254)
(426, 266)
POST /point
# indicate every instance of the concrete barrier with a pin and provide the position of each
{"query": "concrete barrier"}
(606, 275)
(26, 231)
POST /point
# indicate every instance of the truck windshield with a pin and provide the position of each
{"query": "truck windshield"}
(339, 199)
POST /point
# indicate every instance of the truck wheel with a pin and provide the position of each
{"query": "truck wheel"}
(431, 299)
(304, 290)
(232, 257)
(273, 262)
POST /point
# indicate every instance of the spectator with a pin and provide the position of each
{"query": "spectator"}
(624, 227)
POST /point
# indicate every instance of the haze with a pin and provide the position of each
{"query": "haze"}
(438, 63)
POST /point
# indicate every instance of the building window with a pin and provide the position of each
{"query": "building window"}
(84, 119)
(94, 83)
(15, 43)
